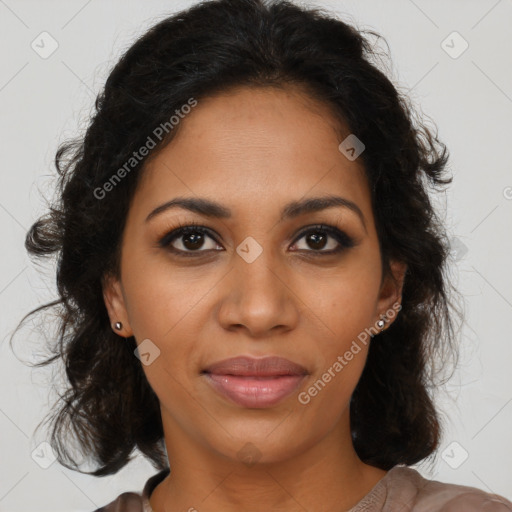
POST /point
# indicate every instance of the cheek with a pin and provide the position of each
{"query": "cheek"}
(167, 306)
(345, 304)
(340, 354)
(159, 297)
(345, 301)
(163, 309)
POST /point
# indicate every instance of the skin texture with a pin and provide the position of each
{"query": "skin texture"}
(254, 150)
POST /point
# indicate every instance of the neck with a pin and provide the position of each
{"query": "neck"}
(326, 476)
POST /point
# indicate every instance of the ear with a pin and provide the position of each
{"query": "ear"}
(390, 295)
(115, 304)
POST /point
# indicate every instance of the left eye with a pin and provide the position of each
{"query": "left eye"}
(317, 236)
(192, 238)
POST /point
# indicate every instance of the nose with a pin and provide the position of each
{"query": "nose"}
(258, 297)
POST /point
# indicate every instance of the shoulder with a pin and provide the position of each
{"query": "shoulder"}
(477, 501)
(426, 495)
(133, 501)
(126, 502)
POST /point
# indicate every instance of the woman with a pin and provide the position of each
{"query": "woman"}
(252, 274)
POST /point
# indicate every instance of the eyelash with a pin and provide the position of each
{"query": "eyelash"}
(345, 241)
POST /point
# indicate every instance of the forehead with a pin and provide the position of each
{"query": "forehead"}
(254, 149)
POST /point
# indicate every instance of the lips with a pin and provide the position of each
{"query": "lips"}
(255, 383)
(252, 367)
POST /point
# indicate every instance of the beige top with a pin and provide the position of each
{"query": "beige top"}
(402, 489)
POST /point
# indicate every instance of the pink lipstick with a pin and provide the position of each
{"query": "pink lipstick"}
(255, 383)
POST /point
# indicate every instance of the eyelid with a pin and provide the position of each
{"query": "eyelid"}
(344, 240)
(174, 232)
(335, 232)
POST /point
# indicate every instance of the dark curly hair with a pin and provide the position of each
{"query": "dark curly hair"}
(109, 406)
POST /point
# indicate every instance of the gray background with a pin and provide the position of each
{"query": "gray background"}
(45, 100)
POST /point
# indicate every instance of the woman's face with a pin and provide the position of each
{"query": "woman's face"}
(258, 282)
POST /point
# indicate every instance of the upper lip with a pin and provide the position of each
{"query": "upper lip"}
(257, 367)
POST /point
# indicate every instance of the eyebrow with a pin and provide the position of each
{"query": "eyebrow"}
(293, 209)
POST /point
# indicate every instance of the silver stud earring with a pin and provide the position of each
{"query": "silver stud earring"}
(381, 324)
(118, 326)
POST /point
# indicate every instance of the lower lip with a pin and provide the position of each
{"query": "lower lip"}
(255, 392)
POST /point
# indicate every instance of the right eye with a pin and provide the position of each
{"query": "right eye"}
(190, 239)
